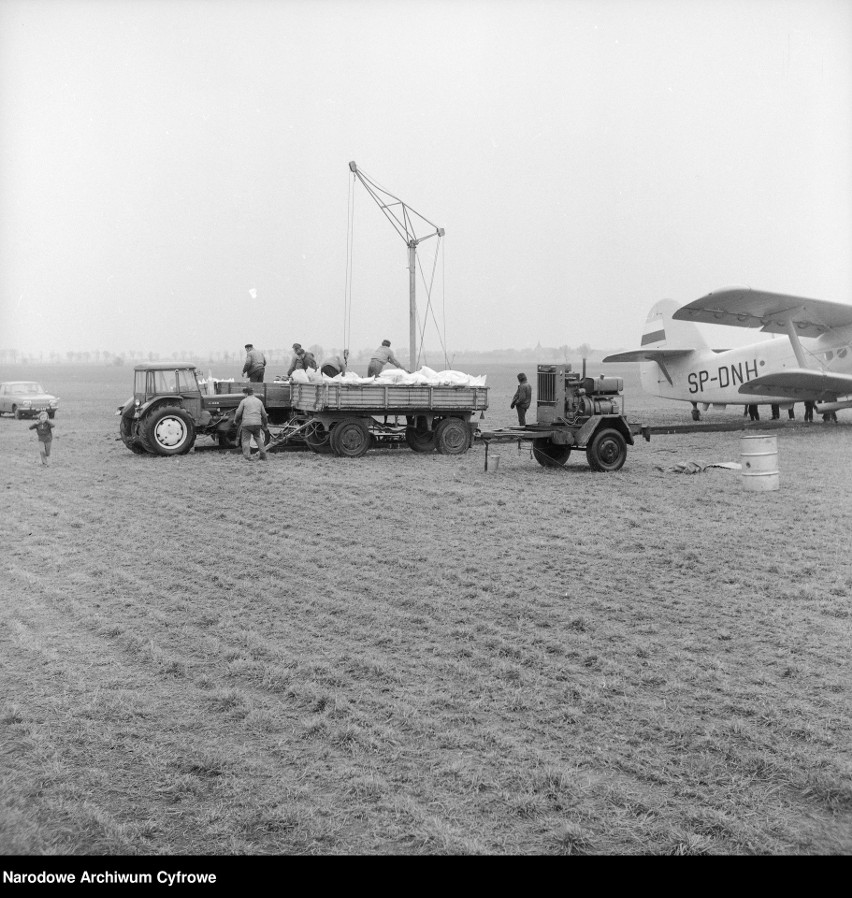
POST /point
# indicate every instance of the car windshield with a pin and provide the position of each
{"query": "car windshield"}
(25, 388)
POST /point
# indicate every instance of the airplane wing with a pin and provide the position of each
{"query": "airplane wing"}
(744, 307)
(800, 383)
(648, 355)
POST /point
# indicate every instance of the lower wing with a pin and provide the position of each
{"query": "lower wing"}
(799, 383)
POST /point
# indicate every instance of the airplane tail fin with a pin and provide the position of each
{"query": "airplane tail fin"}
(661, 331)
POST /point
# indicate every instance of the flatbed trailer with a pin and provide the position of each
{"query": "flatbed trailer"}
(348, 419)
(552, 444)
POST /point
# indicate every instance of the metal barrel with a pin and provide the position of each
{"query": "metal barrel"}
(759, 459)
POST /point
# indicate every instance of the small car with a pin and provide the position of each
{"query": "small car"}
(25, 399)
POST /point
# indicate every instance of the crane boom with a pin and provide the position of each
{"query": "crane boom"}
(400, 215)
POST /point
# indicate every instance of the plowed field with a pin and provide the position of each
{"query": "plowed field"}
(405, 653)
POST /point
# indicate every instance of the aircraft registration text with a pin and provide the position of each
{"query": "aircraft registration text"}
(726, 376)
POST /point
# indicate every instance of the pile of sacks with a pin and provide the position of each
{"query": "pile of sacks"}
(424, 377)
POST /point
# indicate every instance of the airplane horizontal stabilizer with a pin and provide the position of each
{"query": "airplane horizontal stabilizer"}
(800, 383)
(648, 355)
(744, 307)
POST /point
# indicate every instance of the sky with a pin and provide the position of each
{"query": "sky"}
(174, 174)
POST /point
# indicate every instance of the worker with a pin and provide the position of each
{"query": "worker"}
(522, 399)
(252, 419)
(333, 365)
(301, 359)
(255, 365)
(381, 357)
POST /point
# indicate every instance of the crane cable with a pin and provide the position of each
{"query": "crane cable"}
(430, 307)
(347, 294)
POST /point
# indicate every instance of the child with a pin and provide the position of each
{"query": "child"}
(44, 428)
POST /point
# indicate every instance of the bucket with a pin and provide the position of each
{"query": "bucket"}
(759, 458)
(492, 463)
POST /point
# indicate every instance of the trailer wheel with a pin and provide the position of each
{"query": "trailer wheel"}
(607, 451)
(452, 436)
(169, 431)
(549, 454)
(350, 438)
(317, 437)
(420, 440)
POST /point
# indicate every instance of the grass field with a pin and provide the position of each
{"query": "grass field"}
(406, 654)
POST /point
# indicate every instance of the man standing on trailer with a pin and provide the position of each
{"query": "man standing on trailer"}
(381, 357)
(522, 399)
(301, 359)
(251, 417)
(255, 365)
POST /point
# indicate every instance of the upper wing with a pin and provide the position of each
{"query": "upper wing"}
(800, 383)
(648, 355)
(744, 307)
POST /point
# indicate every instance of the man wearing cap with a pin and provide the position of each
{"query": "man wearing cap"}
(381, 357)
(255, 365)
(251, 417)
(301, 359)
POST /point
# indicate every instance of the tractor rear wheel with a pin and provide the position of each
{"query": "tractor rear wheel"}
(607, 451)
(169, 430)
(549, 454)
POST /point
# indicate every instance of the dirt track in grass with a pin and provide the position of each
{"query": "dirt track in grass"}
(405, 653)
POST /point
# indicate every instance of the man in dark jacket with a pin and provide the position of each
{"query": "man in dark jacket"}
(301, 359)
(522, 399)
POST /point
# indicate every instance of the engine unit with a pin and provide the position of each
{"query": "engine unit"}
(565, 396)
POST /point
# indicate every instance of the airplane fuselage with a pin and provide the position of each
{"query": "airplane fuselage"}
(705, 376)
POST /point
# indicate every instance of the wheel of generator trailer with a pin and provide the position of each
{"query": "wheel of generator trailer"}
(126, 430)
(350, 438)
(452, 436)
(420, 440)
(607, 451)
(549, 454)
(317, 437)
(169, 431)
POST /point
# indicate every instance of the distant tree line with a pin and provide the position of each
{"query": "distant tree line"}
(433, 359)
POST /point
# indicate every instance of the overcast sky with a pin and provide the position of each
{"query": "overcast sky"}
(161, 160)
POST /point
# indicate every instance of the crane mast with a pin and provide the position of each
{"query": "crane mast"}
(400, 215)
